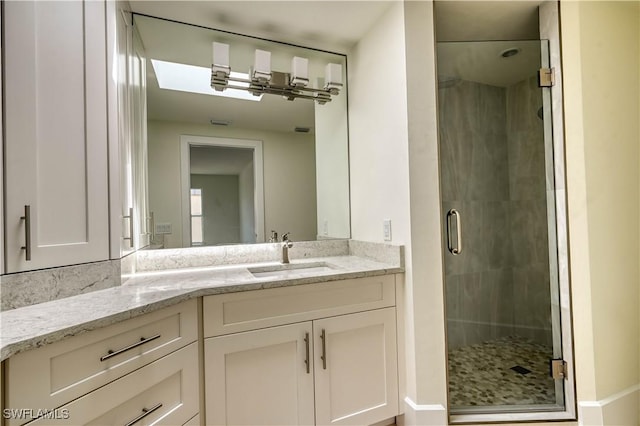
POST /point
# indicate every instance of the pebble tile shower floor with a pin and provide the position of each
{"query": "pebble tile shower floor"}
(482, 374)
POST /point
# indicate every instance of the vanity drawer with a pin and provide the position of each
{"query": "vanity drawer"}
(164, 392)
(250, 310)
(55, 374)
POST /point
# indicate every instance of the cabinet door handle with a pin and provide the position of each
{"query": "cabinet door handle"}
(323, 357)
(152, 225)
(306, 360)
(27, 232)
(458, 248)
(142, 341)
(130, 217)
(145, 413)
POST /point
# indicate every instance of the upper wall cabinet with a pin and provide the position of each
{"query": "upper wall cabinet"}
(56, 188)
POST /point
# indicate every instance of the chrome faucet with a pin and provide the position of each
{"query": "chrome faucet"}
(286, 245)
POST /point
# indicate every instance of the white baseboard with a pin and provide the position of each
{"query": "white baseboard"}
(424, 415)
(620, 409)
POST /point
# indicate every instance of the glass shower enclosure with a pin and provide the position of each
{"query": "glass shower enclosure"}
(499, 218)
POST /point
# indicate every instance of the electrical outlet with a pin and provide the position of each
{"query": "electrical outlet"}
(163, 228)
(386, 229)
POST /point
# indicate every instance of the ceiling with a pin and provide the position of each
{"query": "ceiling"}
(482, 62)
(334, 26)
(328, 25)
(464, 20)
(472, 34)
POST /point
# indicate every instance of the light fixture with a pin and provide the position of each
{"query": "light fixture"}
(262, 79)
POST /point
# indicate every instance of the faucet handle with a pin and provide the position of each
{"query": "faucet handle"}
(285, 237)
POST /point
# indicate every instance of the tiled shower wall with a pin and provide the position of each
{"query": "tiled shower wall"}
(528, 212)
(492, 172)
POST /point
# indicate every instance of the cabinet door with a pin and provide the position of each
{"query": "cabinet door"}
(132, 129)
(139, 109)
(261, 377)
(56, 133)
(356, 368)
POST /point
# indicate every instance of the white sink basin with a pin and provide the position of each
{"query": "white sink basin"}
(291, 270)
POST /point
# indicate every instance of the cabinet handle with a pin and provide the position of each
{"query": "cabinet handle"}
(323, 357)
(130, 217)
(142, 341)
(145, 413)
(152, 225)
(306, 360)
(27, 232)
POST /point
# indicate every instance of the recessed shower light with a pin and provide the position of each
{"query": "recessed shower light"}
(512, 51)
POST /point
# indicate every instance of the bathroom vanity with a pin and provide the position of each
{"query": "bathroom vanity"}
(312, 342)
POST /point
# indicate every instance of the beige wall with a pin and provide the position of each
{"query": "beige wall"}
(602, 96)
(394, 175)
(289, 177)
(378, 150)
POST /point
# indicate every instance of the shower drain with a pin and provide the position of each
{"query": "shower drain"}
(521, 370)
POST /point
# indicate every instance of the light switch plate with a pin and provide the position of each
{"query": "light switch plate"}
(386, 229)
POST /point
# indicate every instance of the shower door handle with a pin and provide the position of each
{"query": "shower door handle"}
(458, 247)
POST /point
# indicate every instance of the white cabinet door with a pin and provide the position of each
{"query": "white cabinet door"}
(356, 368)
(260, 377)
(138, 90)
(134, 227)
(56, 133)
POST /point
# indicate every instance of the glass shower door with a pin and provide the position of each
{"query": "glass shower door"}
(498, 206)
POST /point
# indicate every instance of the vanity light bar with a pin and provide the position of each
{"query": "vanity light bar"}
(263, 79)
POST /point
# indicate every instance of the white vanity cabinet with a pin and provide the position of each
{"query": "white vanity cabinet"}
(318, 354)
(111, 374)
(55, 106)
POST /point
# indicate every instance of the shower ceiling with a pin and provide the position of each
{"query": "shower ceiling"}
(461, 25)
(482, 61)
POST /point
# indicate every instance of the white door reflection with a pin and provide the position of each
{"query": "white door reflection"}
(222, 185)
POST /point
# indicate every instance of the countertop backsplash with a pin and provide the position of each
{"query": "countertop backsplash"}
(29, 288)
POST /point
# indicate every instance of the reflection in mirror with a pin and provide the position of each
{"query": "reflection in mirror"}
(301, 183)
(224, 178)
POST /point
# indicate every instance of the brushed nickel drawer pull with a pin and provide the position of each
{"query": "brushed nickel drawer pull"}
(306, 360)
(142, 341)
(145, 413)
(27, 232)
(323, 357)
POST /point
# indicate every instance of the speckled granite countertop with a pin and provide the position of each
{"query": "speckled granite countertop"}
(37, 325)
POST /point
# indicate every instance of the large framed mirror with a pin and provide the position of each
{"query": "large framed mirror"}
(235, 170)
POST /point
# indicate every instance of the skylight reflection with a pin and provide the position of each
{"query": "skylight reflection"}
(194, 79)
